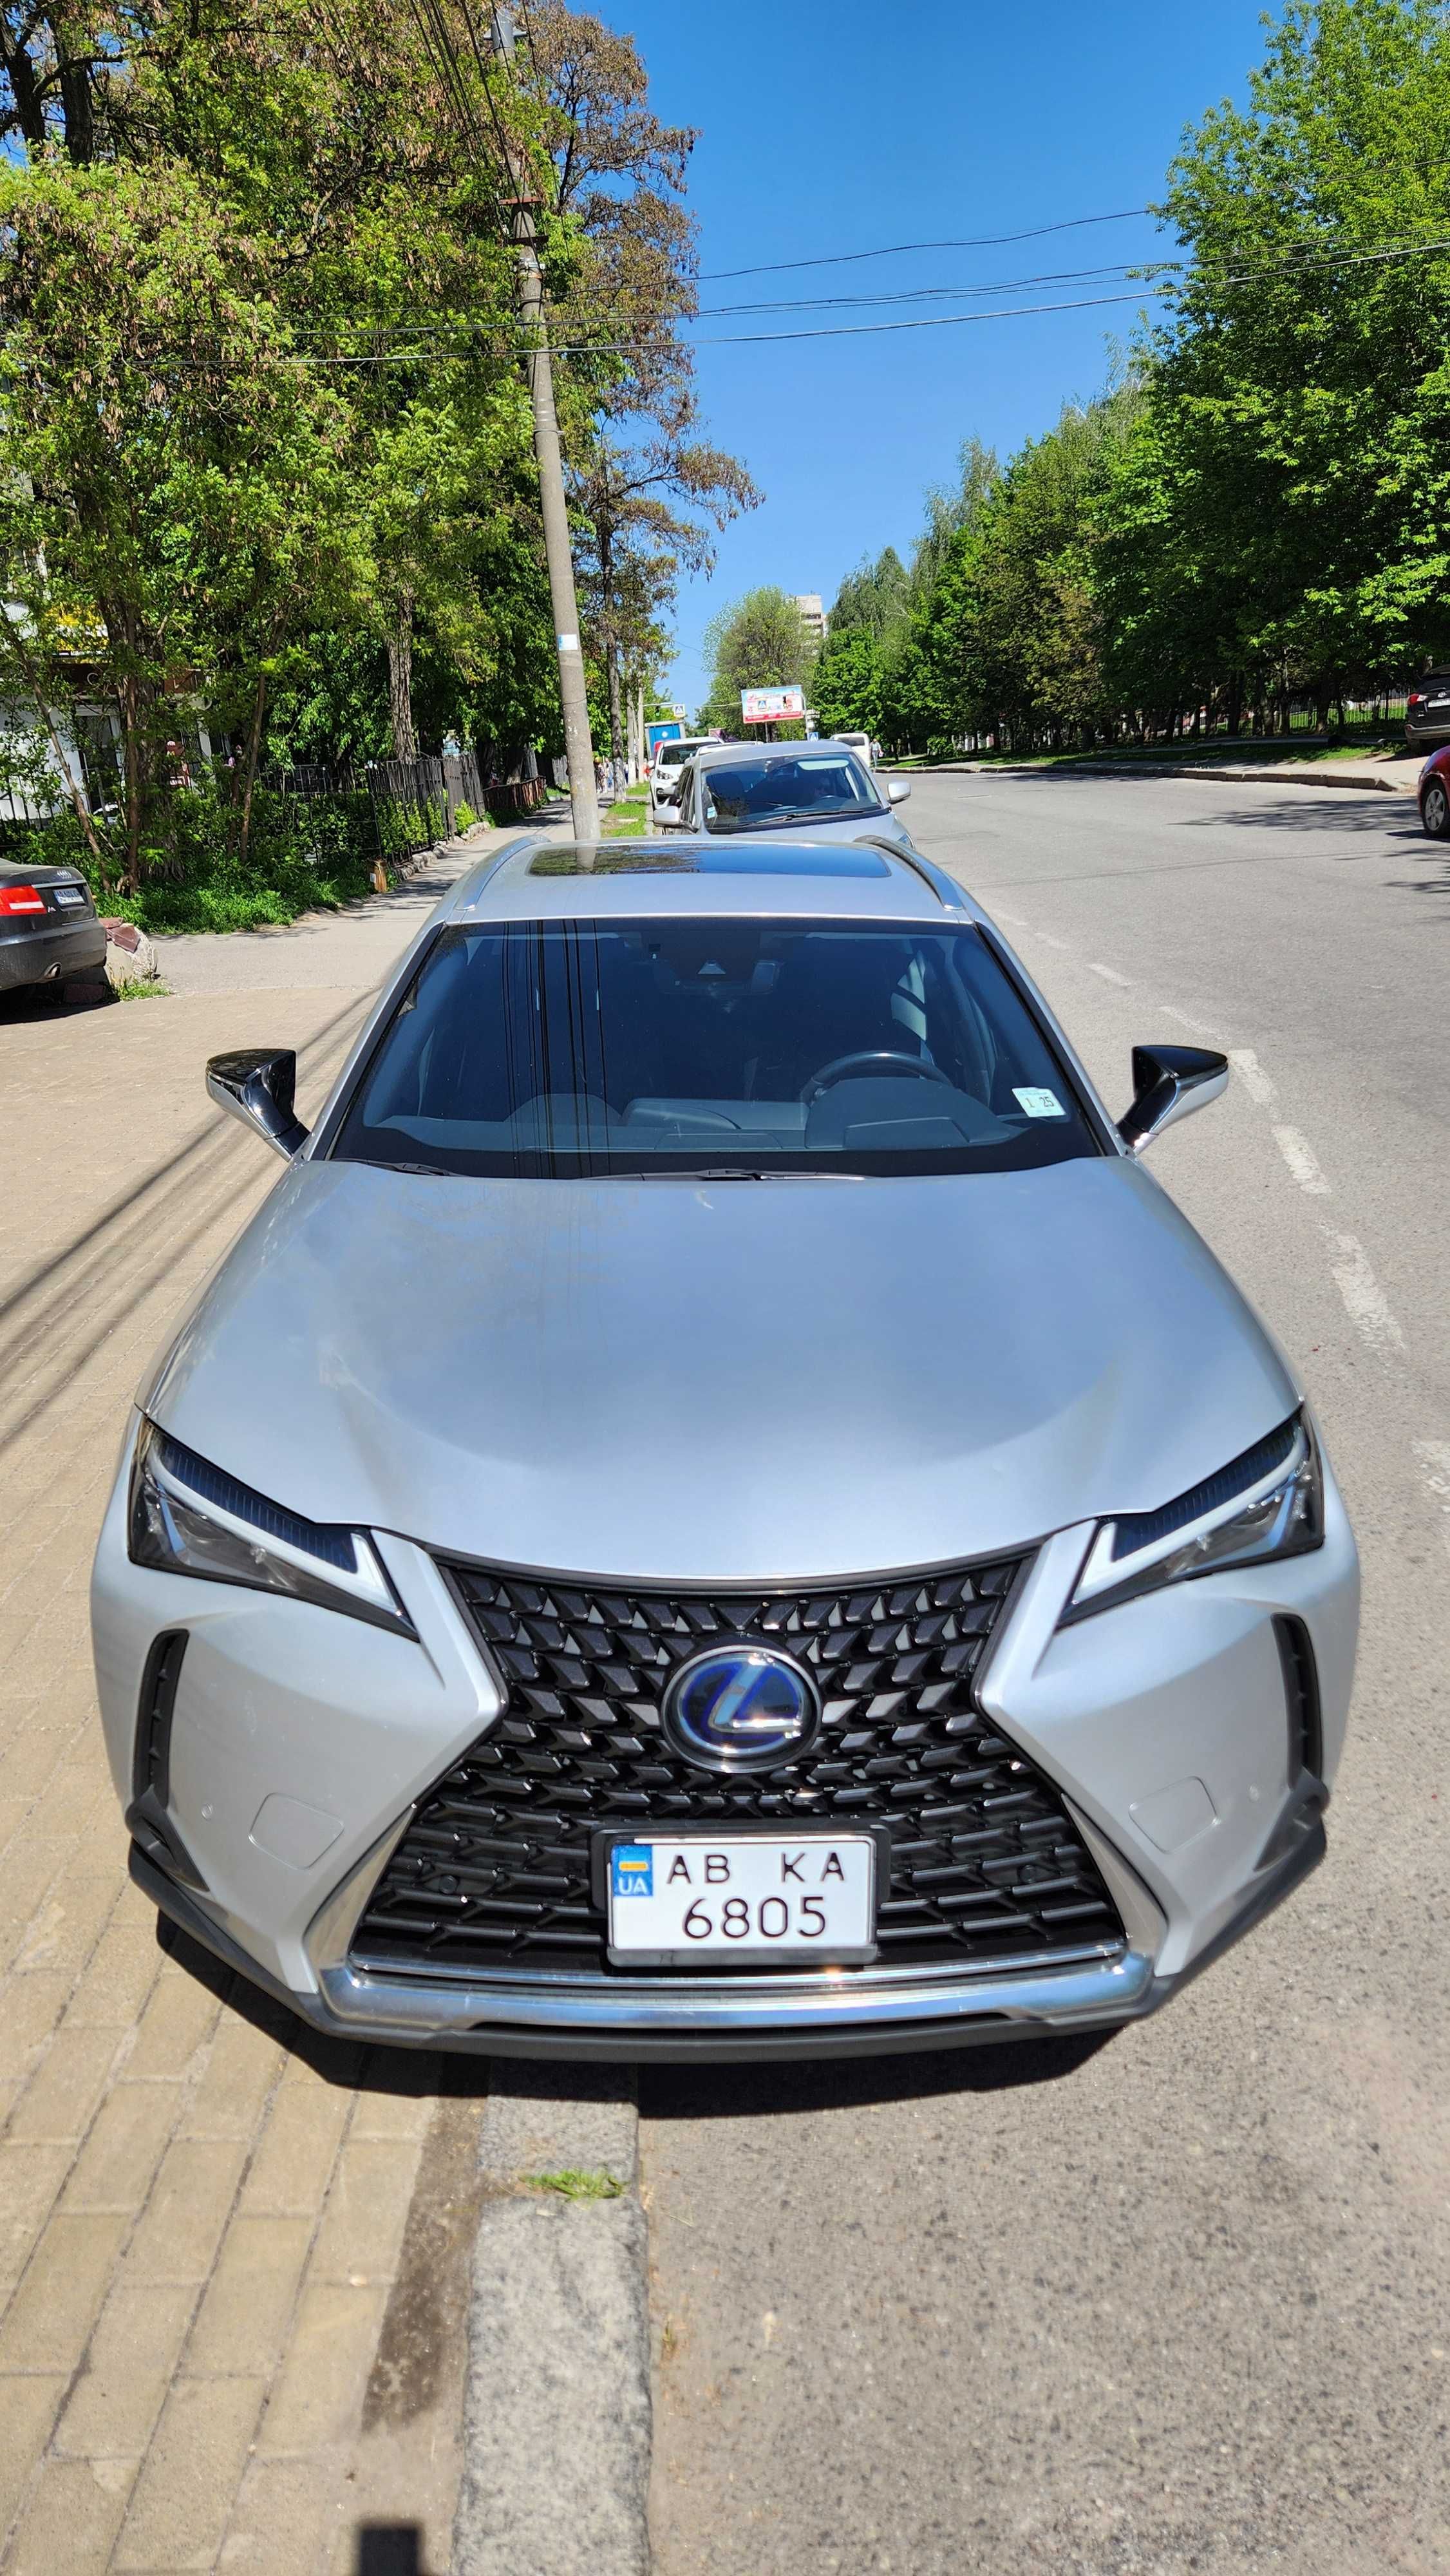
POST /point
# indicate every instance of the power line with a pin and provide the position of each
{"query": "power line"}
(1110, 276)
(896, 250)
(1292, 263)
(1171, 271)
(494, 328)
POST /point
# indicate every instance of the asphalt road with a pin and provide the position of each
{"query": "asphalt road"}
(1177, 2301)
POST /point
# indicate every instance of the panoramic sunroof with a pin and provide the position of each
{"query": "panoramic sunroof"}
(651, 858)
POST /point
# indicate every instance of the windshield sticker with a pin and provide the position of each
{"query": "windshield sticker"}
(1039, 1103)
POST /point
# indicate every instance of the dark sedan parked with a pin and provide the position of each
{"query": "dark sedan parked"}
(48, 927)
(1427, 710)
(1434, 792)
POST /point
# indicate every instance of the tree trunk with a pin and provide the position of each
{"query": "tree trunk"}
(128, 700)
(25, 90)
(76, 106)
(254, 746)
(616, 711)
(400, 680)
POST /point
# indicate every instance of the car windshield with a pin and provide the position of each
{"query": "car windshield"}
(670, 754)
(745, 795)
(691, 1045)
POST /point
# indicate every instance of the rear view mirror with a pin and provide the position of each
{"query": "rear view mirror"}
(256, 1084)
(1168, 1082)
(897, 790)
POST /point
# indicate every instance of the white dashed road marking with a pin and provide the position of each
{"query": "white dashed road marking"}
(1110, 975)
(1434, 1458)
(1200, 1028)
(1365, 1300)
(1255, 1081)
(1302, 1162)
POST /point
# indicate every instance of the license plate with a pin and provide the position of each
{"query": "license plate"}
(68, 894)
(752, 1896)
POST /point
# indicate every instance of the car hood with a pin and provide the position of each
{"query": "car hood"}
(720, 1381)
(883, 825)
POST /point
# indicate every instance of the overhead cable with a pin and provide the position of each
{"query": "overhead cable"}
(897, 250)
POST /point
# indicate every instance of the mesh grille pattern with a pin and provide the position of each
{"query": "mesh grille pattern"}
(494, 1869)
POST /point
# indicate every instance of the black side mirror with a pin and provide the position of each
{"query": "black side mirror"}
(1168, 1082)
(256, 1084)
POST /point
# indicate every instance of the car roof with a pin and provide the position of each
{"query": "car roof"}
(728, 751)
(540, 879)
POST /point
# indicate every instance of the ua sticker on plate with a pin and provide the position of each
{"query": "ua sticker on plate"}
(1040, 1104)
(631, 1869)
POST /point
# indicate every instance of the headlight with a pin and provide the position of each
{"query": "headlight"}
(1269, 1502)
(187, 1517)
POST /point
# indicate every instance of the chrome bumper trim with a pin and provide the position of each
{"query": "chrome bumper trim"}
(636, 2017)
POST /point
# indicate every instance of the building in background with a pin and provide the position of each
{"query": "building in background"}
(812, 615)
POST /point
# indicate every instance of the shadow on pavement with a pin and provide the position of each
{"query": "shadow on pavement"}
(352, 2066)
(56, 1001)
(769, 2089)
(775, 2090)
(389, 2549)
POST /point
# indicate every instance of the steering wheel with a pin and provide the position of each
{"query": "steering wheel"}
(877, 1060)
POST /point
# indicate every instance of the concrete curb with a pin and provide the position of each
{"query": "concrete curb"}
(556, 2410)
(1258, 774)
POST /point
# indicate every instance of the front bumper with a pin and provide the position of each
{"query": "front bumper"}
(302, 1742)
(575, 2022)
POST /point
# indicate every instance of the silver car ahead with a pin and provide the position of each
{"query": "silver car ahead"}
(816, 789)
(717, 1509)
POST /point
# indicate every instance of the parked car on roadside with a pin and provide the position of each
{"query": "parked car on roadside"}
(819, 787)
(842, 1568)
(1427, 710)
(49, 930)
(665, 770)
(1434, 795)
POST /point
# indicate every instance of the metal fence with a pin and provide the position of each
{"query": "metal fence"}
(416, 803)
(412, 803)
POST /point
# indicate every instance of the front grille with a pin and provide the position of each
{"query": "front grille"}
(493, 1871)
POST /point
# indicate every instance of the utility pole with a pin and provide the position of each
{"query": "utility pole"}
(578, 744)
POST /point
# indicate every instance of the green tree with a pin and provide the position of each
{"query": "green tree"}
(1284, 521)
(1011, 630)
(176, 472)
(757, 643)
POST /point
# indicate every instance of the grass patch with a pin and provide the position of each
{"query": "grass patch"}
(574, 2184)
(142, 988)
(627, 815)
(1263, 749)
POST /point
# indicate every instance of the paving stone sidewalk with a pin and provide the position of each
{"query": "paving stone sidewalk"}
(213, 2233)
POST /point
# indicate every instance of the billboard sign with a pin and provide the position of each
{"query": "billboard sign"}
(773, 706)
(655, 734)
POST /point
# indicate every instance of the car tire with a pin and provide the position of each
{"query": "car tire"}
(1435, 809)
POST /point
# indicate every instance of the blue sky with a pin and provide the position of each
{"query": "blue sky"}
(827, 129)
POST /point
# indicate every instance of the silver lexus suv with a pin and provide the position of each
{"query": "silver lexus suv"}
(717, 1508)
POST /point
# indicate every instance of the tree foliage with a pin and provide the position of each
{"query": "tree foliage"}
(1258, 508)
(758, 643)
(262, 385)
